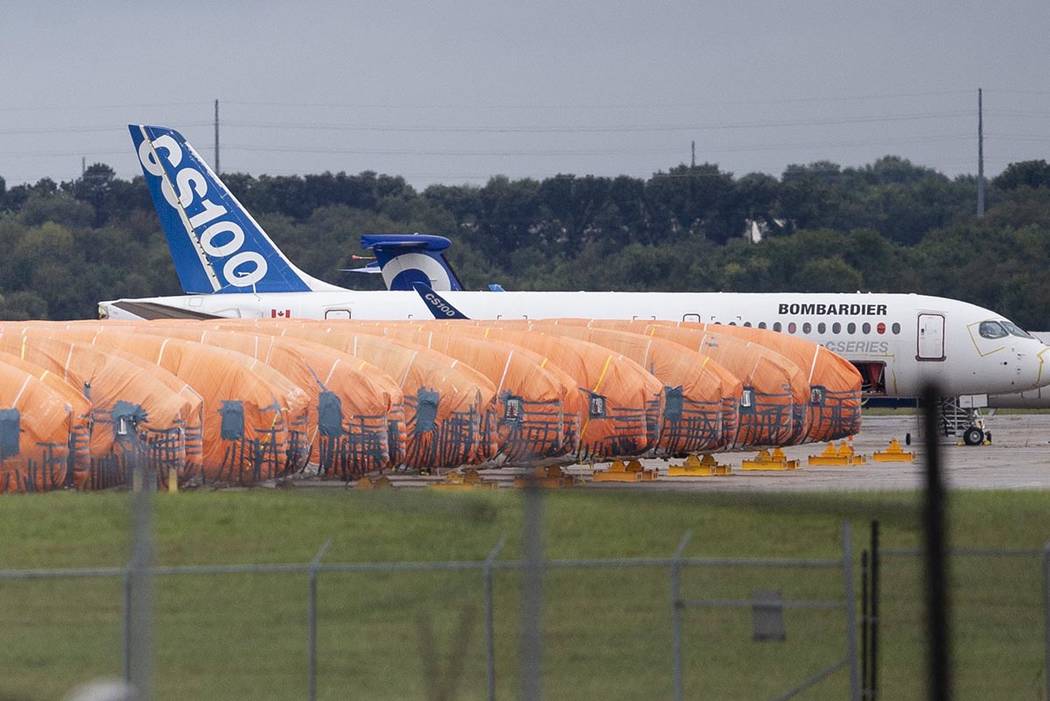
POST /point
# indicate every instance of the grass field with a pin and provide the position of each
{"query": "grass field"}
(607, 632)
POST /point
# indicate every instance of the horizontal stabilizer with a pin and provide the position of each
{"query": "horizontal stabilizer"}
(405, 259)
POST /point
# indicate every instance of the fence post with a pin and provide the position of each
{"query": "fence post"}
(851, 611)
(864, 650)
(127, 624)
(873, 632)
(1046, 618)
(311, 622)
(676, 613)
(490, 624)
(532, 593)
(138, 643)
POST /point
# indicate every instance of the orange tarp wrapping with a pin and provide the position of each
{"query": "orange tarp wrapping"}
(346, 392)
(531, 423)
(80, 417)
(35, 426)
(254, 417)
(777, 386)
(833, 402)
(623, 401)
(173, 411)
(701, 399)
(447, 403)
(835, 385)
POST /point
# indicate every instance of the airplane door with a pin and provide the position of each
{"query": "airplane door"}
(341, 313)
(931, 337)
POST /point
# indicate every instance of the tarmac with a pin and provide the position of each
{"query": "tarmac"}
(1018, 457)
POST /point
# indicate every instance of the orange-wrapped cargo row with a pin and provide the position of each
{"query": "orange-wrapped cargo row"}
(254, 418)
(167, 412)
(448, 404)
(530, 419)
(349, 401)
(239, 401)
(701, 399)
(36, 427)
(833, 402)
(623, 402)
(774, 389)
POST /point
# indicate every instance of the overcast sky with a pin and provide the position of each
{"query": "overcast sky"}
(458, 91)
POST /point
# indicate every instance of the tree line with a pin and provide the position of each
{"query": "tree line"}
(890, 226)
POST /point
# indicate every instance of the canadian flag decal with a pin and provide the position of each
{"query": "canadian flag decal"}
(280, 313)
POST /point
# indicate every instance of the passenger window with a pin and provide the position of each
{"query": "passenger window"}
(761, 324)
(807, 327)
(836, 327)
(851, 328)
(991, 329)
(792, 327)
(866, 328)
(896, 328)
(747, 324)
(881, 328)
(777, 326)
(822, 327)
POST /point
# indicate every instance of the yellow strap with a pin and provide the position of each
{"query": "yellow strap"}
(601, 377)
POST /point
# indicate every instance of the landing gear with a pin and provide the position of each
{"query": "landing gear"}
(973, 436)
(966, 421)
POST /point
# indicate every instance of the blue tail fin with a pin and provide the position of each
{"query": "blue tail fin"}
(410, 258)
(215, 243)
(440, 307)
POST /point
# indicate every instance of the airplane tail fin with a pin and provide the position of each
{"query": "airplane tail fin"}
(405, 259)
(440, 307)
(216, 245)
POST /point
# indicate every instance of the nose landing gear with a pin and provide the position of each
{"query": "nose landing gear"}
(973, 436)
(965, 421)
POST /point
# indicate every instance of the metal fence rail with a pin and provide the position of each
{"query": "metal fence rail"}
(676, 565)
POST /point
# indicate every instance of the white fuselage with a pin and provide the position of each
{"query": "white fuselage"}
(910, 339)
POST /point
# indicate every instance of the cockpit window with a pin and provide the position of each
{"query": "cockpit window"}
(991, 329)
(1015, 330)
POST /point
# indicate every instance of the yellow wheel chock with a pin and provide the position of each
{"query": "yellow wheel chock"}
(842, 456)
(694, 466)
(895, 453)
(463, 481)
(366, 482)
(770, 461)
(548, 477)
(619, 472)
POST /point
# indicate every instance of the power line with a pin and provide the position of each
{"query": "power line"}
(603, 105)
(521, 129)
(125, 106)
(588, 152)
(77, 129)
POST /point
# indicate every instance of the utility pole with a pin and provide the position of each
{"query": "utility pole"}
(83, 166)
(980, 153)
(692, 163)
(218, 170)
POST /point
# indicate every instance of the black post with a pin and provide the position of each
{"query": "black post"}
(935, 548)
(864, 624)
(874, 628)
